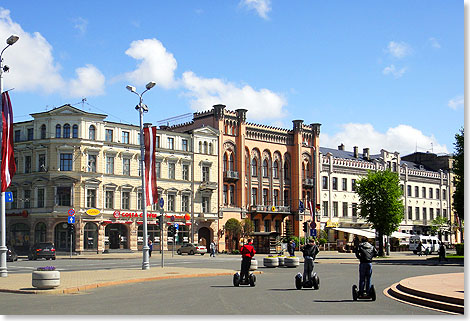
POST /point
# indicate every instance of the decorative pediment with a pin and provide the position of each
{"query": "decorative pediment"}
(171, 190)
(110, 186)
(67, 110)
(127, 186)
(64, 178)
(92, 181)
(206, 131)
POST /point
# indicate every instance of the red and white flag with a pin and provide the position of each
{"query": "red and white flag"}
(8, 159)
(312, 209)
(150, 137)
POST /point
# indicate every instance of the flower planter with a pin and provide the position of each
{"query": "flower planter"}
(281, 260)
(271, 261)
(46, 279)
(291, 261)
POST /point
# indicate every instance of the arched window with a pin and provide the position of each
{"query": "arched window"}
(230, 163)
(57, 131)
(254, 167)
(205, 147)
(265, 168)
(40, 233)
(307, 170)
(276, 169)
(43, 131)
(211, 149)
(286, 170)
(303, 171)
(90, 236)
(92, 132)
(75, 131)
(66, 132)
(200, 147)
(225, 162)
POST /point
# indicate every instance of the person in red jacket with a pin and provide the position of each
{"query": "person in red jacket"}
(247, 251)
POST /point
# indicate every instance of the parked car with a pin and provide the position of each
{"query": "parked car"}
(42, 250)
(11, 254)
(192, 248)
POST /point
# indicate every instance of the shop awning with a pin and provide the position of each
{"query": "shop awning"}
(400, 235)
(356, 231)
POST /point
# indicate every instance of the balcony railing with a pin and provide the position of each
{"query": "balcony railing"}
(208, 186)
(269, 208)
(231, 175)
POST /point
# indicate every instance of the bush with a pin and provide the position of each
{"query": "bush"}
(236, 252)
(460, 248)
(322, 241)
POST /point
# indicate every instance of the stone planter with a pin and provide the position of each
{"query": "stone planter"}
(46, 279)
(291, 261)
(254, 264)
(271, 261)
(281, 260)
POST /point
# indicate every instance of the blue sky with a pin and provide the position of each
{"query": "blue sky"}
(377, 74)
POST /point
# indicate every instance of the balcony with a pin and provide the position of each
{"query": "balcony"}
(208, 186)
(308, 182)
(231, 175)
(269, 209)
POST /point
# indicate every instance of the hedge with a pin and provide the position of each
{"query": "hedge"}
(460, 248)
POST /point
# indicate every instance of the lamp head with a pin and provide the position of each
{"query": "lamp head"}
(131, 88)
(150, 85)
(12, 39)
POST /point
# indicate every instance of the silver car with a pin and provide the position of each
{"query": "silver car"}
(192, 248)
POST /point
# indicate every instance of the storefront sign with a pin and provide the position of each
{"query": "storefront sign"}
(127, 215)
(331, 224)
(93, 212)
(24, 214)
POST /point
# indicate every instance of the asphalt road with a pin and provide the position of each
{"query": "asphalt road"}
(274, 293)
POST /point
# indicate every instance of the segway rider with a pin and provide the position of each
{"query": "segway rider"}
(247, 251)
(309, 251)
(365, 252)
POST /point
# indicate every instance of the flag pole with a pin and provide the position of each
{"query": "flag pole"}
(3, 248)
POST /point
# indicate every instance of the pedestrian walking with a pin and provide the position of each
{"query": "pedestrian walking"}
(420, 248)
(150, 244)
(442, 252)
(212, 248)
(292, 248)
(356, 242)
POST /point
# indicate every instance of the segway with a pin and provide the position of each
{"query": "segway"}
(237, 280)
(367, 296)
(314, 281)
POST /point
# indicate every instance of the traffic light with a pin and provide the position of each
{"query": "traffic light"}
(71, 228)
(305, 227)
(171, 230)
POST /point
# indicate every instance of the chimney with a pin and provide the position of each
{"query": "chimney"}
(341, 147)
(356, 151)
(365, 153)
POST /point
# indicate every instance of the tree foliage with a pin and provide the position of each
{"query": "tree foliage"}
(247, 227)
(233, 228)
(458, 168)
(439, 225)
(380, 202)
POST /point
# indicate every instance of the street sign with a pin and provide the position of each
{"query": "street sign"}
(313, 225)
(161, 202)
(71, 212)
(313, 233)
(8, 197)
(301, 207)
(71, 219)
(176, 226)
(172, 218)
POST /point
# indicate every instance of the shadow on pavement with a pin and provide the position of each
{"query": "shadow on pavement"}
(430, 261)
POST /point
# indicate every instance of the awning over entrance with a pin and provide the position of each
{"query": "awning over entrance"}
(356, 231)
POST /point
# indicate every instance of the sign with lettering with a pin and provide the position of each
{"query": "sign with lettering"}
(93, 211)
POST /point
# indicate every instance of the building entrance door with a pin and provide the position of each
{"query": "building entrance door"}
(117, 235)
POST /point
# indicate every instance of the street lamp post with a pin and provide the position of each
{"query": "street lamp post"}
(141, 107)
(3, 247)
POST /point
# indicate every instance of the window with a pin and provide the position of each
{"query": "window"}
(277, 226)
(64, 196)
(126, 166)
(276, 169)
(109, 199)
(205, 173)
(324, 181)
(430, 192)
(345, 184)
(186, 172)
(408, 190)
(225, 162)
(158, 169)
(211, 149)
(27, 164)
(108, 135)
(66, 161)
(286, 170)
(205, 148)
(125, 203)
(438, 212)
(91, 164)
(254, 198)
(140, 169)
(185, 203)
(267, 225)
(109, 164)
(444, 197)
(335, 209)
(125, 137)
(230, 163)
(417, 213)
(232, 194)
(225, 194)
(325, 208)
(353, 185)
(423, 192)
(416, 191)
(410, 213)
(200, 147)
(92, 132)
(171, 202)
(171, 170)
(184, 143)
(75, 131)
(57, 131)
(66, 133)
(444, 213)
(27, 198)
(345, 209)
(30, 134)
(335, 183)
(41, 197)
(256, 225)
(354, 209)
(14, 204)
(42, 163)
(265, 168)
(276, 197)
(171, 143)
(424, 214)
(43, 131)
(91, 197)
(139, 201)
(286, 197)
(254, 167)
(431, 214)
(17, 135)
(437, 193)
(205, 204)
(265, 197)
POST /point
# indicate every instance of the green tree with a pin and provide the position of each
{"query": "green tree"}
(458, 168)
(233, 229)
(380, 202)
(439, 225)
(247, 227)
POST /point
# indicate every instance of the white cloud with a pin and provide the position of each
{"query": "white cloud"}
(262, 7)
(90, 82)
(80, 24)
(33, 67)
(392, 70)
(206, 92)
(456, 102)
(399, 50)
(403, 139)
(156, 63)
(434, 43)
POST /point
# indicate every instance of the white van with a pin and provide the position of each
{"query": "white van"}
(431, 243)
